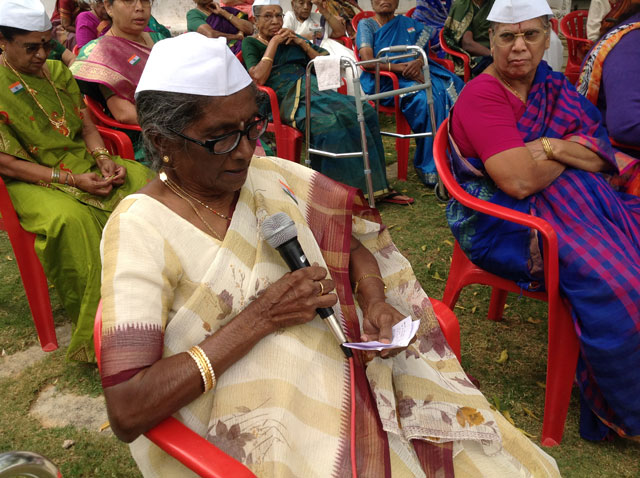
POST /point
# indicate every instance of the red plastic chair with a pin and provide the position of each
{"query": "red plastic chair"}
(31, 271)
(574, 27)
(562, 347)
(359, 16)
(448, 324)
(100, 116)
(179, 441)
(464, 58)
(554, 24)
(410, 12)
(288, 139)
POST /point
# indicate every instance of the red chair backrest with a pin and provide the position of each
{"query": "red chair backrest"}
(410, 12)
(359, 16)
(574, 27)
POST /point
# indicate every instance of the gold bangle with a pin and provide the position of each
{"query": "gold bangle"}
(389, 66)
(99, 151)
(101, 155)
(366, 276)
(55, 175)
(546, 145)
(267, 58)
(73, 179)
(204, 365)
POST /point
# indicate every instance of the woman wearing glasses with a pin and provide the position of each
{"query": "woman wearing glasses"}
(62, 181)
(203, 321)
(108, 68)
(277, 57)
(526, 139)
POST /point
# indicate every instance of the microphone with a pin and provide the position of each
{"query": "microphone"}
(280, 232)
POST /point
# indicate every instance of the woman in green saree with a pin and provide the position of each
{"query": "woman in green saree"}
(466, 30)
(277, 57)
(61, 179)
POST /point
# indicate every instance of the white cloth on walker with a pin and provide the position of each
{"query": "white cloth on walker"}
(554, 54)
(335, 48)
(327, 72)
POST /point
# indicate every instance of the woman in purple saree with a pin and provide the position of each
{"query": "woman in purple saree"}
(541, 151)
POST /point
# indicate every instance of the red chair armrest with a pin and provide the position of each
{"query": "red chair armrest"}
(100, 117)
(117, 142)
(465, 59)
(195, 452)
(346, 41)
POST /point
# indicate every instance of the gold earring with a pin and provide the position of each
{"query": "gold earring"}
(166, 159)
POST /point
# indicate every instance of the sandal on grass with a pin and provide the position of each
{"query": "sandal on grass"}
(395, 197)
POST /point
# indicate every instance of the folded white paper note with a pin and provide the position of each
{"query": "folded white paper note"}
(402, 332)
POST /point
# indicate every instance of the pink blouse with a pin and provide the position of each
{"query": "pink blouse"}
(485, 118)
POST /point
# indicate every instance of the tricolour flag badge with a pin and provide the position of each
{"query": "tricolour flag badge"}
(411, 29)
(134, 59)
(16, 87)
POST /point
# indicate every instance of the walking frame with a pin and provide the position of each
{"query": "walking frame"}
(397, 53)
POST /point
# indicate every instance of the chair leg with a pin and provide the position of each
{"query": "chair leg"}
(37, 292)
(455, 282)
(496, 306)
(562, 358)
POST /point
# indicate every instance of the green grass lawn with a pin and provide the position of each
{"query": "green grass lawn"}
(421, 233)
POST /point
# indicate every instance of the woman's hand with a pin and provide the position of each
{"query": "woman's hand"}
(294, 298)
(93, 184)
(110, 170)
(379, 318)
(413, 70)
(216, 9)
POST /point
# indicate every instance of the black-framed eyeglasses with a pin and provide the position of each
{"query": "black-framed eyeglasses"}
(32, 48)
(228, 142)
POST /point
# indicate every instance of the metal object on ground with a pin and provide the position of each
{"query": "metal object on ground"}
(26, 464)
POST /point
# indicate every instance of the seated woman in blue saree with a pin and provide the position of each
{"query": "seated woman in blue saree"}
(384, 30)
(522, 137)
(277, 57)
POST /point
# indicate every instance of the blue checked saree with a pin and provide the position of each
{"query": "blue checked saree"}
(598, 231)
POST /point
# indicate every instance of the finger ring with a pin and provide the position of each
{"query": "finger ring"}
(321, 289)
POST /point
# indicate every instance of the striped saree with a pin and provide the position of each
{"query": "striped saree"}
(284, 408)
(598, 232)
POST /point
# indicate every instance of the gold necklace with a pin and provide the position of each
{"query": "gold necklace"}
(511, 88)
(177, 191)
(170, 183)
(60, 125)
(262, 39)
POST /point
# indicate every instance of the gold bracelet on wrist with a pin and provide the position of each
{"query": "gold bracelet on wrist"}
(55, 175)
(366, 276)
(546, 145)
(101, 156)
(267, 58)
(99, 151)
(204, 366)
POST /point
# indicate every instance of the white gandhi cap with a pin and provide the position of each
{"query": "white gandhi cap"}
(263, 3)
(193, 64)
(27, 15)
(516, 11)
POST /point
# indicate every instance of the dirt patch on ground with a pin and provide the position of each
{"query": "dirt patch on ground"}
(54, 408)
(12, 365)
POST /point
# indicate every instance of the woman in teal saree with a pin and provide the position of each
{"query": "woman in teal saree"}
(277, 58)
(62, 181)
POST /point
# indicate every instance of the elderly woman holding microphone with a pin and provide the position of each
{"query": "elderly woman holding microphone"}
(526, 139)
(203, 321)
